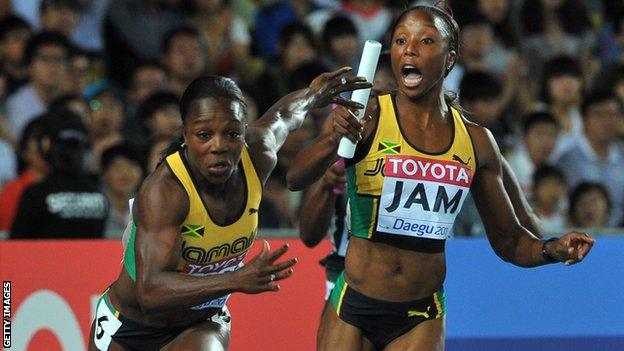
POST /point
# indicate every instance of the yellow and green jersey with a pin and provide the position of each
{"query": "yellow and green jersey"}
(208, 248)
(404, 196)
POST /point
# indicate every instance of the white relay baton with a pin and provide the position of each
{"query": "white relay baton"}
(367, 68)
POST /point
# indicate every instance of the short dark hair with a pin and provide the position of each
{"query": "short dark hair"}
(479, 85)
(214, 87)
(583, 188)
(597, 97)
(290, 30)
(546, 171)
(11, 23)
(558, 66)
(538, 117)
(337, 26)
(120, 150)
(42, 39)
(171, 34)
(155, 102)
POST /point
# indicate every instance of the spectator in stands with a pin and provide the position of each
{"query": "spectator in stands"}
(479, 51)
(538, 141)
(46, 56)
(479, 95)
(561, 95)
(183, 56)
(498, 14)
(122, 172)
(133, 33)
(160, 116)
(32, 168)
(7, 141)
(147, 78)
(341, 43)
(296, 47)
(66, 203)
(106, 118)
(549, 198)
(590, 206)
(59, 16)
(597, 157)
(155, 153)
(227, 38)
(271, 18)
(79, 71)
(14, 34)
(553, 28)
(371, 17)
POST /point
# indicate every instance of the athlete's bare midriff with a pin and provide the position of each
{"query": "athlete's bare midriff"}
(388, 273)
(123, 296)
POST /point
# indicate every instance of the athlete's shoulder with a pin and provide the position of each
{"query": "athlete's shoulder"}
(160, 190)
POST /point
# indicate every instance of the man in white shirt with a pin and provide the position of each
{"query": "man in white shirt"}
(597, 157)
(46, 56)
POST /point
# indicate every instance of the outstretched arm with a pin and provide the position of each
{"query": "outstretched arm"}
(509, 239)
(315, 159)
(266, 136)
(521, 206)
(160, 208)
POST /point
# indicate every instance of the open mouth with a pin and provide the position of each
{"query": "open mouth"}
(411, 75)
(219, 168)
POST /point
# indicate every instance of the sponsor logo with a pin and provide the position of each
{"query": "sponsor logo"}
(200, 255)
(379, 166)
(458, 159)
(414, 313)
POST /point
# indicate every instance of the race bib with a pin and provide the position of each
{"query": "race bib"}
(106, 325)
(421, 197)
(200, 270)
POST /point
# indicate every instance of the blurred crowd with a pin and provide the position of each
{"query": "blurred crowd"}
(89, 92)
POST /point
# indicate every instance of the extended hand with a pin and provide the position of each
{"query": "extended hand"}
(571, 248)
(259, 274)
(345, 124)
(326, 88)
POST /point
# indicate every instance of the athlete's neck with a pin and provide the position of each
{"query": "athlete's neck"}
(426, 110)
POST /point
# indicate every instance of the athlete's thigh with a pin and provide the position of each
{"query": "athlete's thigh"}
(336, 334)
(205, 336)
(426, 336)
(113, 346)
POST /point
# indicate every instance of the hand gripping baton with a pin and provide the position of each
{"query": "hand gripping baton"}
(367, 68)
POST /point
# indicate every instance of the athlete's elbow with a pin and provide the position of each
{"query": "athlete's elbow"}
(308, 241)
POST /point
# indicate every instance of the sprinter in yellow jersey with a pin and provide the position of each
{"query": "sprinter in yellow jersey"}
(416, 161)
(196, 216)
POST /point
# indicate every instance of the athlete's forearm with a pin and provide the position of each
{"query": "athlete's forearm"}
(287, 114)
(316, 213)
(521, 206)
(520, 247)
(173, 291)
(311, 163)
